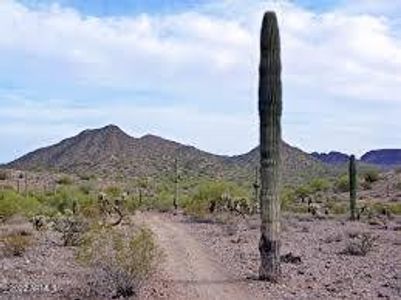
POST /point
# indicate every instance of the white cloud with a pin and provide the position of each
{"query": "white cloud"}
(334, 64)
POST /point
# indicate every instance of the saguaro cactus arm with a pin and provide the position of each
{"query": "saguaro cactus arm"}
(270, 109)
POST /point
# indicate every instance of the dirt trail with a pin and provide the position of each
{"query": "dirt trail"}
(193, 272)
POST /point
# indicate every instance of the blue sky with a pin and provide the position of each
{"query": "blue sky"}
(187, 70)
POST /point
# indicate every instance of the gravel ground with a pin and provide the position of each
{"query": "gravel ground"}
(48, 270)
(324, 273)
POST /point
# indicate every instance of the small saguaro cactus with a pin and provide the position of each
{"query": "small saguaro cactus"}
(270, 109)
(352, 186)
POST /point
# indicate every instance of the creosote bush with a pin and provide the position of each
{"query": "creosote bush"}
(342, 184)
(16, 243)
(360, 245)
(124, 261)
(371, 175)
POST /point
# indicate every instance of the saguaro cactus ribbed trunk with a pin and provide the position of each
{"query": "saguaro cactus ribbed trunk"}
(352, 186)
(270, 108)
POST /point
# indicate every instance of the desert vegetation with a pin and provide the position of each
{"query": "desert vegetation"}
(148, 218)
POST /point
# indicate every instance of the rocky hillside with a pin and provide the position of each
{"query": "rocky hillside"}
(110, 152)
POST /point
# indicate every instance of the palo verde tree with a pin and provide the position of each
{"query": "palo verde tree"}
(352, 186)
(270, 109)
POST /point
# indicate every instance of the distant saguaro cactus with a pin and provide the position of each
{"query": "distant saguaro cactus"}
(270, 109)
(176, 187)
(352, 186)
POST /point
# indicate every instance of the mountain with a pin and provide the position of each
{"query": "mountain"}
(110, 152)
(383, 157)
(333, 157)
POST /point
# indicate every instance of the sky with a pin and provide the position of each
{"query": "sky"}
(188, 71)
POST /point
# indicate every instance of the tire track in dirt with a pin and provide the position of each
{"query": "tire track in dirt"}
(193, 272)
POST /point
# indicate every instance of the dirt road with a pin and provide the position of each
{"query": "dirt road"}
(193, 272)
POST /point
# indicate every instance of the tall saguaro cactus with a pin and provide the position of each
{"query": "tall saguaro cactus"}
(270, 109)
(352, 186)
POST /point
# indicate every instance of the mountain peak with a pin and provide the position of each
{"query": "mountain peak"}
(111, 128)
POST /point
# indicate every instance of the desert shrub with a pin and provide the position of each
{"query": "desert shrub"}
(302, 192)
(319, 185)
(337, 208)
(342, 184)
(386, 208)
(86, 176)
(65, 198)
(12, 203)
(397, 170)
(209, 192)
(288, 197)
(360, 245)
(72, 228)
(86, 188)
(161, 201)
(371, 175)
(3, 175)
(398, 185)
(64, 180)
(298, 208)
(15, 244)
(394, 208)
(113, 191)
(123, 261)
(366, 185)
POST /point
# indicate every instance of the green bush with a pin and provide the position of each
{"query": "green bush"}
(288, 196)
(212, 192)
(337, 208)
(319, 185)
(122, 261)
(303, 192)
(65, 198)
(12, 203)
(384, 208)
(342, 184)
(113, 191)
(371, 175)
(395, 208)
(64, 180)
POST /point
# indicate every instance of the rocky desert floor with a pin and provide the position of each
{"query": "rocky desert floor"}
(218, 259)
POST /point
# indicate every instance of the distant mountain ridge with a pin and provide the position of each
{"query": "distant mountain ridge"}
(333, 157)
(110, 152)
(383, 157)
(380, 158)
